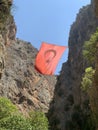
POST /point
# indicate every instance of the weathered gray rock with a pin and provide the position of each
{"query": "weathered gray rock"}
(20, 82)
(7, 30)
(2, 51)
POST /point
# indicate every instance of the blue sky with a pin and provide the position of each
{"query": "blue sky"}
(46, 20)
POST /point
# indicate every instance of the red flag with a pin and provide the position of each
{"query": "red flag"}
(48, 57)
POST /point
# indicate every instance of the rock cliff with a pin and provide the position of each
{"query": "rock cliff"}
(68, 96)
(19, 81)
(59, 96)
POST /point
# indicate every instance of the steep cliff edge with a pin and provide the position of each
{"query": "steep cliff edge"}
(19, 81)
(7, 30)
(68, 96)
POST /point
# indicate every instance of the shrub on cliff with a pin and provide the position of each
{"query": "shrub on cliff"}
(6, 108)
(91, 53)
(11, 119)
(15, 122)
(38, 120)
(90, 49)
(87, 79)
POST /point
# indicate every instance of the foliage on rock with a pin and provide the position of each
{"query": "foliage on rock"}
(87, 79)
(15, 122)
(6, 108)
(38, 120)
(90, 48)
(11, 119)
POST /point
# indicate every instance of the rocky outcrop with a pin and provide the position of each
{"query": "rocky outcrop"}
(68, 96)
(7, 30)
(19, 80)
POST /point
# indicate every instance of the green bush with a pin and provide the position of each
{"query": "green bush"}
(11, 119)
(6, 107)
(90, 53)
(3, 129)
(38, 120)
(90, 48)
(87, 79)
(15, 122)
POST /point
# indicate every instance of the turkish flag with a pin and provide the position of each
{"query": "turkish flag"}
(48, 57)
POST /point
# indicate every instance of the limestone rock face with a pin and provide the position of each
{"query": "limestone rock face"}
(7, 30)
(19, 80)
(95, 5)
(67, 94)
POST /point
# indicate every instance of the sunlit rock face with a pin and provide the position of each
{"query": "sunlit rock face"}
(19, 80)
(7, 30)
(68, 96)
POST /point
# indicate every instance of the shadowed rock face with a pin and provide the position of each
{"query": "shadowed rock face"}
(68, 94)
(95, 4)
